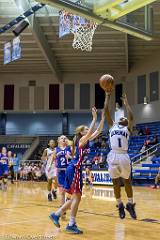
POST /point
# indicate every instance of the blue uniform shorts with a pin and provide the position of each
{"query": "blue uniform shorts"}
(73, 180)
(3, 169)
(61, 177)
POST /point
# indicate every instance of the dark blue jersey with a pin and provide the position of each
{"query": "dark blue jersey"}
(4, 158)
(62, 156)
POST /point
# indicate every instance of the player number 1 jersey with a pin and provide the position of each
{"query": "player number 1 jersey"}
(119, 137)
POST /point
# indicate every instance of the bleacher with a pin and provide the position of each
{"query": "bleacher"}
(135, 145)
(146, 172)
(142, 173)
(153, 126)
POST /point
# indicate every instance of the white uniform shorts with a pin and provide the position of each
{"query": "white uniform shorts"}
(51, 172)
(119, 165)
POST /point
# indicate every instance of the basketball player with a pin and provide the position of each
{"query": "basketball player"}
(89, 177)
(73, 181)
(61, 156)
(118, 159)
(11, 170)
(50, 170)
(3, 169)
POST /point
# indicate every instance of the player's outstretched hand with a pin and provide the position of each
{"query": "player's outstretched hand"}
(94, 112)
(108, 93)
(124, 99)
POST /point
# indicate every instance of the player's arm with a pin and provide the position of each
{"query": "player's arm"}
(44, 155)
(106, 110)
(85, 138)
(71, 145)
(129, 112)
(99, 128)
(54, 156)
(69, 154)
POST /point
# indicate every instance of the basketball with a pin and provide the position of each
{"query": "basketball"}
(107, 82)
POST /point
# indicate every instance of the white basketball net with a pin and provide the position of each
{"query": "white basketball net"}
(83, 36)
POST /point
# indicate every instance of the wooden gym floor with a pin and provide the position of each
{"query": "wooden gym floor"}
(24, 211)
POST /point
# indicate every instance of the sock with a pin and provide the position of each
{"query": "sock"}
(119, 201)
(71, 221)
(130, 200)
(60, 212)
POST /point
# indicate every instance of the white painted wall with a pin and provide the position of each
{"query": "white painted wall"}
(142, 113)
(151, 111)
(44, 80)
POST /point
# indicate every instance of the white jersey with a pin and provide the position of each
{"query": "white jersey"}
(49, 155)
(119, 138)
(50, 167)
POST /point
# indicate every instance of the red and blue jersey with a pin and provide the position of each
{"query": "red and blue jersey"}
(79, 154)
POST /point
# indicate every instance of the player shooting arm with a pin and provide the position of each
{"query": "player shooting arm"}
(129, 112)
(85, 138)
(106, 110)
(99, 128)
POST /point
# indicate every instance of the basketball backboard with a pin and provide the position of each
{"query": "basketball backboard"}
(109, 13)
(113, 9)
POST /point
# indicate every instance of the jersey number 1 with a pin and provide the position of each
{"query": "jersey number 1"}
(119, 143)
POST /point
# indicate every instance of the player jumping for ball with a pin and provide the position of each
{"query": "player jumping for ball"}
(118, 158)
(73, 176)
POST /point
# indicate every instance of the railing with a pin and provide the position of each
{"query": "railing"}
(32, 161)
(144, 155)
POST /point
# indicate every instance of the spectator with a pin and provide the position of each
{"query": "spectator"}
(135, 131)
(157, 179)
(11, 169)
(103, 144)
(143, 149)
(95, 166)
(89, 177)
(155, 141)
(147, 131)
(15, 166)
(140, 132)
(102, 160)
(97, 144)
(96, 158)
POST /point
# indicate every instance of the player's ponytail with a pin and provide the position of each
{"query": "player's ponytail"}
(77, 136)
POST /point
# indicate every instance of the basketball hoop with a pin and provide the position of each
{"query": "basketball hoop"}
(82, 29)
(83, 36)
